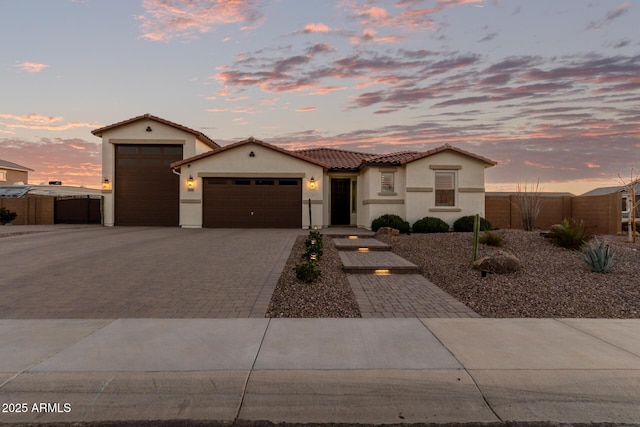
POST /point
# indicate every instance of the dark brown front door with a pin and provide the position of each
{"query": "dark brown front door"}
(340, 197)
(147, 192)
(252, 203)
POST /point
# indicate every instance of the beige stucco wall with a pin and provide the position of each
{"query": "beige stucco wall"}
(136, 133)
(266, 163)
(414, 184)
(13, 176)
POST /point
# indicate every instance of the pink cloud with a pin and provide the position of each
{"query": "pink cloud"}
(31, 67)
(40, 122)
(167, 19)
(316, 28)
(306, 109)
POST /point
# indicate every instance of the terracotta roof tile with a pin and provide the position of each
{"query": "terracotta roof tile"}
(335, 158)
(398, 158)
(251, 141)
(204, 138)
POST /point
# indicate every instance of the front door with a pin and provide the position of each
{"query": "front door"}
(340, 198)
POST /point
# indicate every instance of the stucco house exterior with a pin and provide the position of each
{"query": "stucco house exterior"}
(157, 172)
(12, 173)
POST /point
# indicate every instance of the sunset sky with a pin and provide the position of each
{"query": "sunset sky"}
(549, 89)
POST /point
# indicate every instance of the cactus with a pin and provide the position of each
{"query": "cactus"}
(476, 231)
(598, 256)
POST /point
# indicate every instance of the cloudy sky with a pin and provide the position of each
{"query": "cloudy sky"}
(549, 89)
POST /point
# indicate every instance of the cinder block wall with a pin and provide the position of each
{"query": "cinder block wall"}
(603, 214)
(31, 210)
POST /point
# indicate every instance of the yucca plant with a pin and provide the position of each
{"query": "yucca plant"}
(598, 256)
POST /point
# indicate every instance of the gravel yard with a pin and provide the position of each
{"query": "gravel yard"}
(553, 282)
(329, 296)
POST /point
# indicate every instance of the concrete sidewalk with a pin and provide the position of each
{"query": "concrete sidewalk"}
(372, 371)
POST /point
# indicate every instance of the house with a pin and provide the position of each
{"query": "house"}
(12, 173)
(157, 172)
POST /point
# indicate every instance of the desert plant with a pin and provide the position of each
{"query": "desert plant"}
(570, 234)
(315, 234)
(598, 256)
(466, 224)
(492, 239)
(6, 216)
(529, 204)
(314, 246)
(476, 235)
(390, 220)
(430, 224)
(307, 271)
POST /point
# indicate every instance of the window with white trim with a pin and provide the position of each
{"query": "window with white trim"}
(445, 188)
(3, 175)
(387, 182)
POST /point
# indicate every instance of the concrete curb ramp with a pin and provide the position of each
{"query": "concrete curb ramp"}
(373, 371)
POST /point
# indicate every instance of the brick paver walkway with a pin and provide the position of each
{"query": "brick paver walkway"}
(404, 295)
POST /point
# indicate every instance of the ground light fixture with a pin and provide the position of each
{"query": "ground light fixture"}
(382, 272)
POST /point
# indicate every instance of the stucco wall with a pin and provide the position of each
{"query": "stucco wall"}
(136, 133)
(14, 176)
(236, 162)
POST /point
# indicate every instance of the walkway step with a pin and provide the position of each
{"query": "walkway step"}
(361, 244)
(376, 261)
(347, 232)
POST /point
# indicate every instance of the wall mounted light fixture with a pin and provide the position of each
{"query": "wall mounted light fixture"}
(312, 183)
(191, 183)
(106, 184)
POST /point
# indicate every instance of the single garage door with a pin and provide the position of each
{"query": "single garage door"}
(252, 203)
(147, 192)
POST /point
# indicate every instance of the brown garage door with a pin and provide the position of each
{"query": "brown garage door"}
(252, 203)
(147, 192)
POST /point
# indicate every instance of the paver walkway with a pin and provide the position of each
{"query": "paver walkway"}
(393, 295)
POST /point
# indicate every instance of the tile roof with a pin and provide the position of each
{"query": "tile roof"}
(335, 158)
(389, 159)
(251, 140)
(204, 138)
(10, 165)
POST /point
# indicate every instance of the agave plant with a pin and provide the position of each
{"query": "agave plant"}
(598, 256)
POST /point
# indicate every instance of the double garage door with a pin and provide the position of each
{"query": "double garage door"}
(252, 203)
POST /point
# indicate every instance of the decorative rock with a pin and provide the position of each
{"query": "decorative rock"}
(388, 230)
(500, 262)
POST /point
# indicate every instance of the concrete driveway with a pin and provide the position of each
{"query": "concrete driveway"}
(140, 272)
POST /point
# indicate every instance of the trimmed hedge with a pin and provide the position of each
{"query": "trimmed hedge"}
(466, 224)
(430, 224)
(390, 220)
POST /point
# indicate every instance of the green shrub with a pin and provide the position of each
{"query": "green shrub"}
(6, 216)
(430, 224)
(315, 234)
(466, 224)
(598, 256)
(307, 271)
(570, 234)
(390, 220)
(492, 239)
(314, 245)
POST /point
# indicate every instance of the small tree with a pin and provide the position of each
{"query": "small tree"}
(6, 216)
(529, 204)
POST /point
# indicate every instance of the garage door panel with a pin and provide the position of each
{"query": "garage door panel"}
(252, 203)
(147, 193)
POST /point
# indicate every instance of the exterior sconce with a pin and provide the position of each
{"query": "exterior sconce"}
(106, 184)
(191, 183)
(312, 183)
(252, 154)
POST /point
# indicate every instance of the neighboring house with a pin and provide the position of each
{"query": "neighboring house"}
(12, 173)
(157, 172)
(624, 191)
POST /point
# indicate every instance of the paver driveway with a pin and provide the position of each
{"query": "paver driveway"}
(97, 272)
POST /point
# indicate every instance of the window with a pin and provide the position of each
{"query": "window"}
(387, 182)
(265, 182)
(3, 175)
(445, 189)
